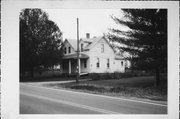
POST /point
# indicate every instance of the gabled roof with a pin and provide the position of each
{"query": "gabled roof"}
(90, 42)
(72, 42)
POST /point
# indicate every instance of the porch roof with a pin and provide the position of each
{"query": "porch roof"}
(74, 56)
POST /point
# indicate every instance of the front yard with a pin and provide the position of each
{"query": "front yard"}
(138, 87)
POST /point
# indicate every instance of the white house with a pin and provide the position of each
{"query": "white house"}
(96, 56)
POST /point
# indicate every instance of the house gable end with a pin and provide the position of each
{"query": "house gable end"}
(103, 41)
(109, 44)
(68, 44)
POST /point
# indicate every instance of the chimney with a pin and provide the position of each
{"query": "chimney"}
(87, 35)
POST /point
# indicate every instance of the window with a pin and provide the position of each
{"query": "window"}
(97, 64)
(65, 50)
(121, 63)
(81, 47)
(102, 48)
(108, 63)
(85, 64)
(69, 49)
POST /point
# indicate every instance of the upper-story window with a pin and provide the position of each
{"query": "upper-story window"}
(65, 50)
(81, 47)
(69, 49)
(97, 64)
(102, 48)
(108, 63)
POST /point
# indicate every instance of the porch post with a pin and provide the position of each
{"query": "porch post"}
(69, 66)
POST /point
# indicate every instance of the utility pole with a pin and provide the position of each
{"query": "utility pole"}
(78, 68)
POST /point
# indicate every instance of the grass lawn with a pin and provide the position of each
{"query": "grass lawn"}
(130, 82)
(139, 87)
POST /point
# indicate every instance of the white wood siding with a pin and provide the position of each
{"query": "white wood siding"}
(83, 69)
(118, 67)
(95, 52)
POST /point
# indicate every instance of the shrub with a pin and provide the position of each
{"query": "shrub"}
(117, 75)
(95, 76)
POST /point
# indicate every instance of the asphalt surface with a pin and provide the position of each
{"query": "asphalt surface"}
(42, 100)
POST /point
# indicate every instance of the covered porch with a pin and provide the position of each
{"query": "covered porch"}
(69, 64)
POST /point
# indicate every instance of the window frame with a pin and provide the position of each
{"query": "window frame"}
(102, 48)
(122, 63)
(108, 63)
(82, 46)
(65, 50)
(98, 63)
(69, 49)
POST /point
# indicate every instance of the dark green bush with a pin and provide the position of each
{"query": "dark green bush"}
(95, 76)
(117, 75)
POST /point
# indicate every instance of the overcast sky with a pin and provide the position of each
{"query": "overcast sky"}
(93, 21)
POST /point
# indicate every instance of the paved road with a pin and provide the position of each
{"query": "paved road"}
(42, 100)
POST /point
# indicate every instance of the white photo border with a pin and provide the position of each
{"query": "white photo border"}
(10, 11)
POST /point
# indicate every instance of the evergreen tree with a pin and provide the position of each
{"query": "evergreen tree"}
(145, 40)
